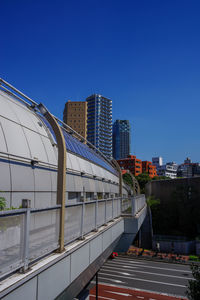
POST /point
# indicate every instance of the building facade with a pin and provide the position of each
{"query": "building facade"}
(148, 168)
(131, 163)
(157, 161)
(99, 123)
(75, 115)
(188, 169)
(121, 139)
(169, 169)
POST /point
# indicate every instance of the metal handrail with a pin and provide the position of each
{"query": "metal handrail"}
(29, 255)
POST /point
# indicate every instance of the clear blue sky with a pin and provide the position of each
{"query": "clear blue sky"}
(144, 55)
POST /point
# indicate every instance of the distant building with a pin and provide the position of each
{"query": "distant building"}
(75, 115)
(168, 170)
(188, 169)
(148, 168)
(157, 161)
(99, 123)
(121, 139)
(131, 163)
(136, 166)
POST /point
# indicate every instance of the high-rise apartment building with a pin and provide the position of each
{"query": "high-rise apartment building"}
(121, 139)
(75, 115)
(99, 123)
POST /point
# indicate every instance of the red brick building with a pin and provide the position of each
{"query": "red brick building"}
(136, 166)
(131, 163)
(147, 167)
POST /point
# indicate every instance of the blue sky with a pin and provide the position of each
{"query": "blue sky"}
(144, 55)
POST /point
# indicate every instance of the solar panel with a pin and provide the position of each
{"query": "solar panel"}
(77, 147)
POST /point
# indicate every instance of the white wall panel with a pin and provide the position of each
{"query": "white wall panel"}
(85, 166)
(16, 198)
(3, 147)
(6, 110)
(22, 177)
(70, 184)
(42, 199)
(98, 186)
(5, 184)
(68, 161)
(42, 180)
(23, 115)
(74, 162)
(51, 153)
(78, 182)
(15, 138)
(36, 146)
(53, 180)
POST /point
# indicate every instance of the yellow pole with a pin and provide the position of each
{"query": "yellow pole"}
(61, 175)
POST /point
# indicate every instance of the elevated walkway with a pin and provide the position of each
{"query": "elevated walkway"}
(92, 231)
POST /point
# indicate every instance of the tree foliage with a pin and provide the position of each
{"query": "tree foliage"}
(143, 178)
(193, 290)
(127, 179)
(2, 203)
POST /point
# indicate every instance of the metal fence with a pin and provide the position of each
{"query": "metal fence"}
(133, 205)
(29, 234)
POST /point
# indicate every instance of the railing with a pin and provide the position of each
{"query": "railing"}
(138, 202)
(29, 234)
(133, 205)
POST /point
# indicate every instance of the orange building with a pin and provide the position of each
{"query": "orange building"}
(147, 167)
(131, 163)
(136, 166)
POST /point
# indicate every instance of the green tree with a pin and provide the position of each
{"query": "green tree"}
(127, 179)
(143, 178)
(193, 289)
(2, 203)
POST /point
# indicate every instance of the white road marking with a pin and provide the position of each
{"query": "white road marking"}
(117, 293)
(159, 268)
(140, 297)
(152, 281)
(131, 261)
(144, 272)
(151, 299)
(114, 280)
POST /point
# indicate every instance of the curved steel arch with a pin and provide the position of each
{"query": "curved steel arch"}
(136, 186)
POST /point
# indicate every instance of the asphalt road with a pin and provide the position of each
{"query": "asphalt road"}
(146, 275)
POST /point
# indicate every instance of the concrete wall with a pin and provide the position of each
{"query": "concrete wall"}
(163, 189)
